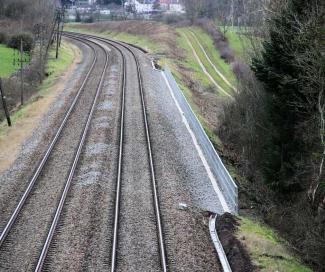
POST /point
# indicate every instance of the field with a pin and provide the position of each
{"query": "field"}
(55, 68)
(7, 66)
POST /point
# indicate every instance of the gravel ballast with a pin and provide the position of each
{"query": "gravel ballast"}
(181, 178)
(84, 236)
(82, 241)
(26, 238)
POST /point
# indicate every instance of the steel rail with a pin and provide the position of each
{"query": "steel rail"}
(40, 167)
(73, 168)
(152, 169)
(120, 156)
(151, 163)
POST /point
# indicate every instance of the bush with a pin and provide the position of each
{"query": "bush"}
(15, 9)
(14, 41)
(89, 20)
(219, 39)
(172, 18)
(78, 17)
(3, 37)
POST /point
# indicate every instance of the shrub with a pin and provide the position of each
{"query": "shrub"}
(78, 17)
(14, 41)
(219, 39)
(241, 70)
(172, 18)
(3, 37)
(15, 9)
(89, 20)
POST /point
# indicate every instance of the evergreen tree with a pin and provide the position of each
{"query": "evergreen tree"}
(291, 37)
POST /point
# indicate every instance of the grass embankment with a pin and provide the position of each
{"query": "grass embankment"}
(26, 119)
(7, 66)
(55, 68)
(204, 48)
(138, 40)
(269, 252)
(238, 42)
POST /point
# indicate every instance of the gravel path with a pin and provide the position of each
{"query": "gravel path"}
(26, 238)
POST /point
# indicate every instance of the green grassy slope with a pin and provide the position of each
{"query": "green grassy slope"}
(7, 66)
(269, 252)
(213, 54)
(55, 68)
(238, 41)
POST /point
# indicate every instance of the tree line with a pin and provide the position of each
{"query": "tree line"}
(276, 127)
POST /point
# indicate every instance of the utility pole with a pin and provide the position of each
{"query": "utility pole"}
(4, 103)
(232, 13)
(62, 23)
(57, 33)
(41, 37)
(21, 73)
(21, 66)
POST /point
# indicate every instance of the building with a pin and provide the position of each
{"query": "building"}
(146, 6)
(172, 5)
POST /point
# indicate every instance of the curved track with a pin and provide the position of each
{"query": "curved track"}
(121, 48)
(33, 216)
(36, 207)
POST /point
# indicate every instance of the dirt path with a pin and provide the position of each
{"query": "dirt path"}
(212, 64)
(204, 69)
(14, 137)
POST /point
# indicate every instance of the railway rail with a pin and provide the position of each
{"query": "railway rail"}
(162, 251)
(31, 191)
(5, 238)
(95, 75)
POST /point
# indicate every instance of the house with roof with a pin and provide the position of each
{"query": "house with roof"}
(172, 5)
(147, 6)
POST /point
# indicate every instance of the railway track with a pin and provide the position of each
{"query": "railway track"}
(121, 48)
(11, 239)
(24, 232)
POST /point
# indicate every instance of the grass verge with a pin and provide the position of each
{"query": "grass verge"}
(268, 251)
(138, 40)
(55, 68)
(238, 41)
(208, 45)
(7, 66)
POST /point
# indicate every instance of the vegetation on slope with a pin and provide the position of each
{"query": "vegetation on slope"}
(269, 252)
(7, 66)
(279, 120)
(55, 68)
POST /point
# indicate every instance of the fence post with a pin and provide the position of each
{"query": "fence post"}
(3, 99)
